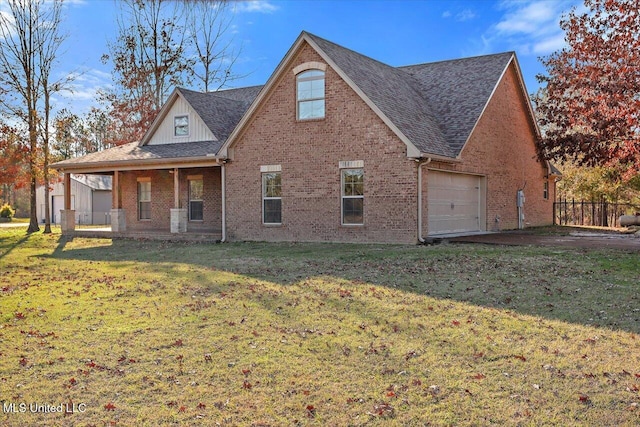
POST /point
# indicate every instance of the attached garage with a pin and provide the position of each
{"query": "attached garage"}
(455, 203)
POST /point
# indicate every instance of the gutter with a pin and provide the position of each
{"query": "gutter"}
(420, 164)
(223, 183)
(137, 164)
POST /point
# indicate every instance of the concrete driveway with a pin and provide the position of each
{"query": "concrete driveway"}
(14, 224)
(576, 238)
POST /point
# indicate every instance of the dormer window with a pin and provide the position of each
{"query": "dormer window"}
(310, 94)
(181, 126)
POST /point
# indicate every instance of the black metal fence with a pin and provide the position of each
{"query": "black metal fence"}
(580, 212)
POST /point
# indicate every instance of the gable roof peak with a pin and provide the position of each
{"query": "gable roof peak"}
(323, 40)
(396, 96)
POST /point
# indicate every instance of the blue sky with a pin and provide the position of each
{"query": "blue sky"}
(396, 32)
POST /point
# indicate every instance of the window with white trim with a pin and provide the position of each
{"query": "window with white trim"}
(196, 197)
(181, 126)
(352, 183)
(310, 94)
(144, 199)
(271, 198)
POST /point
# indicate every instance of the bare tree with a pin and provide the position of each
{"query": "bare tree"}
(209, 24)
(29, 41)
(148, 60)
(162, 44)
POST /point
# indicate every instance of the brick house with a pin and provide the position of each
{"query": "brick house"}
(337, 146)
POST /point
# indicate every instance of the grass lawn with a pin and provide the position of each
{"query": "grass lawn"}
(138, 333)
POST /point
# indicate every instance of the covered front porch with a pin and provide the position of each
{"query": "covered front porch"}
(177, 203)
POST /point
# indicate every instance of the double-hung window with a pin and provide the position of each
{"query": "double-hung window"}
(196, 193)
(310, 94)
(181, 126)
(352, 196)
(144, 199)
(271, 197)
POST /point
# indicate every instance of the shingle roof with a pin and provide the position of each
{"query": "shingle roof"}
(396, 93)
(458, 90)
(132, 152)
(222, 110)
(435, 106)
(244, 94)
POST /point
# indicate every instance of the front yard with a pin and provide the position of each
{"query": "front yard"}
(138, 333)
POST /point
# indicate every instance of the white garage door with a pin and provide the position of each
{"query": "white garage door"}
(454, 202)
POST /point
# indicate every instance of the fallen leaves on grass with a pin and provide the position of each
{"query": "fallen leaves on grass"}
(383, 410)
(311, 411)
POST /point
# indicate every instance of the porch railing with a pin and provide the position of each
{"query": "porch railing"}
(591, 213)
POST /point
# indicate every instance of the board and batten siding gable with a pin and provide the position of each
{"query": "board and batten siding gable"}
(198, 130)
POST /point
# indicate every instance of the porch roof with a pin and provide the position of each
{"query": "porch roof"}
(132, 155)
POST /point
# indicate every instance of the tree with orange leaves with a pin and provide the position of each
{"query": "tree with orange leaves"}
(590, 107)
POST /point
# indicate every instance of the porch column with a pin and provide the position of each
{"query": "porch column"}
(118, 219)
(178, 215)
(176, 188)
(67, 215)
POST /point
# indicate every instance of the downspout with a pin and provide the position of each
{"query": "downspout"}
(420, 164)
(224, 202)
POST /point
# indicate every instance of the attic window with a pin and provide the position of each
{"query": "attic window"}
(310, 94)
(181, 126)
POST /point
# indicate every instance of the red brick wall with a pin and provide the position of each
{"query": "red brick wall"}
(502, 148)
(212, 202)
(309, 153)
(162, 199)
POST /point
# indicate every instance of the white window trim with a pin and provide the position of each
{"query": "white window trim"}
(189, 179)
(177, 116)
(268, 169)
(324, 95)
(342, 196)
(138, 181)
(545, 190)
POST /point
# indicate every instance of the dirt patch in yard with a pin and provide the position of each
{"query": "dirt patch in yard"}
(588, 238)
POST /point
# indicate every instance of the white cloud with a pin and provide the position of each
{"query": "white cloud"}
(83, 90)
(462, 16)
(465, 15)
(549, 44)
(259, 6)
(529, 26)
